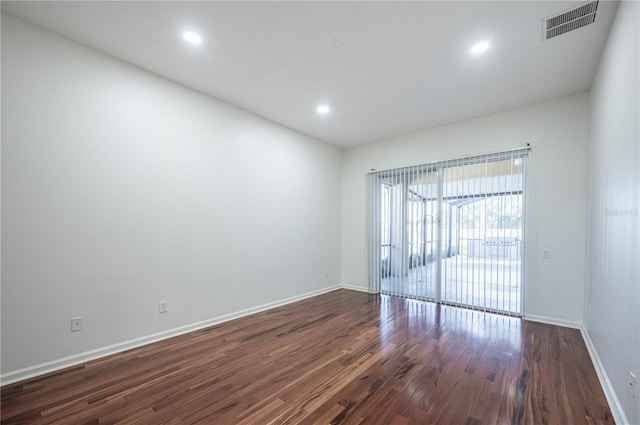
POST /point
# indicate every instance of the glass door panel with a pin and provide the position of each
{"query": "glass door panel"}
(454, 233)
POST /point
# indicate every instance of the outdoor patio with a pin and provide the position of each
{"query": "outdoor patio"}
(484, 283)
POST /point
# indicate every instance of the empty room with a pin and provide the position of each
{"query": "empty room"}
(255, 212)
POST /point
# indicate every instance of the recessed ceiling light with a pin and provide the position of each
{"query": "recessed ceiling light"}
(192, 37)
(323, 109)
(480, 48)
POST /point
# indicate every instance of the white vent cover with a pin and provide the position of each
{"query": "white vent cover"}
(570, 20)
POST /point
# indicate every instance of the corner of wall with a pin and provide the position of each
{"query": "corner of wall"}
(614, 404)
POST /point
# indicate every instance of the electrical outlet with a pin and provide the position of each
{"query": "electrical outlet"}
(162, 307)
(633, 387)
(76, 324)
(326, 273)
(547, 254)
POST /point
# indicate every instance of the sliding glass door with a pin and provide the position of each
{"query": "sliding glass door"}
(451, 232)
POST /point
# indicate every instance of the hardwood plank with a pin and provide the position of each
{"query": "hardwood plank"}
(342, 358)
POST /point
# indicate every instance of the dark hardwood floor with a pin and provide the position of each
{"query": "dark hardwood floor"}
(341, 358)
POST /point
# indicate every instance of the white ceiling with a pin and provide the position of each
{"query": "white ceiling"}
(385, 68)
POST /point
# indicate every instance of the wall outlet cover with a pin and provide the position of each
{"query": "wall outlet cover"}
(76, 324)
(162, 307)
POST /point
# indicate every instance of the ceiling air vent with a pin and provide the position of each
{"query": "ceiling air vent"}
(570, 20)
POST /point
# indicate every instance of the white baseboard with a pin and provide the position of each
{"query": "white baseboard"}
(553, 321)
(614, 404)
(76, 359)
(355, 288)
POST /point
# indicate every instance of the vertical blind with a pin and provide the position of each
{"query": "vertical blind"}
(450, 231)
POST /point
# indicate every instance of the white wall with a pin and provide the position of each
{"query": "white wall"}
(121, 189)
(613, 276)
(556, 185)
